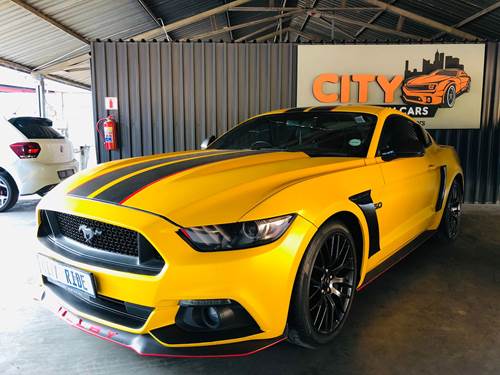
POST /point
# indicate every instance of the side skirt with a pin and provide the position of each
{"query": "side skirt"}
(396, 258)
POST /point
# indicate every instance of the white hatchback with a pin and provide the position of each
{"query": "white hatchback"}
(34, 158)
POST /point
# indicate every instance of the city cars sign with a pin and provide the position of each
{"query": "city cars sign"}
(440, 85)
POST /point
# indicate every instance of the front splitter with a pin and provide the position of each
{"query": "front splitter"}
(146, 345)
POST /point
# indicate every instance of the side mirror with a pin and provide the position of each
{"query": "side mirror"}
(388, 154)
(206, 142)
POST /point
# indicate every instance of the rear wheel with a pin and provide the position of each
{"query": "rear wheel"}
(8, 192)
(324, 288)
(449, 228)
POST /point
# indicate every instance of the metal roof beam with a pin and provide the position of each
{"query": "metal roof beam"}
(26, 69)
(150, 13)
(475, 16)
(256, 32)
(306, 20)
(13, 65)
(308, 36)
(151, 34)
(272, 35)
(228, 21)
(279, 24)
(376, 27)
(373, 19)
(64, 65)
(241, 26)
(423, 20)
(328, 25)
(50, 20)
(289, 9)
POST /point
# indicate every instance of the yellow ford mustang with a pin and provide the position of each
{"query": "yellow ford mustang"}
(264, 235)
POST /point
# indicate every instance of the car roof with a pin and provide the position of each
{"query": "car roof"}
(371, 109)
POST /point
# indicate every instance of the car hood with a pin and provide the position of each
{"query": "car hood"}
(204, 187)
(434, 78)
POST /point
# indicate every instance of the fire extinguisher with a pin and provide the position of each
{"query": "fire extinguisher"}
(109, 133)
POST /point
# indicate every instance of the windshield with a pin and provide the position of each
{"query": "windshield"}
(320, 134)
(451, 73)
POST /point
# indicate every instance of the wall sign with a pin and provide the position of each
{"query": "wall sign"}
(440, 85)
(111, 103)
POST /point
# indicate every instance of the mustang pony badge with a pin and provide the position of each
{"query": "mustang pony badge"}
(89, 233)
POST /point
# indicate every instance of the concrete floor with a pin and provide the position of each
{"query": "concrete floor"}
(438, 311)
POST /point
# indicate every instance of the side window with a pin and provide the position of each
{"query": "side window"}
(401, 136)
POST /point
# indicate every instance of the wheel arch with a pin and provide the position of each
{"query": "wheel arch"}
(361, 238)
(3, 170)
(460, 178)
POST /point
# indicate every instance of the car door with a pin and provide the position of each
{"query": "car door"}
(411, 179)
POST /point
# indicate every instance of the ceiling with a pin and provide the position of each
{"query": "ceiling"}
(52, 37)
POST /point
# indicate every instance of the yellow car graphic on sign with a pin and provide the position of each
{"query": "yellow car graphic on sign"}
(265, 235)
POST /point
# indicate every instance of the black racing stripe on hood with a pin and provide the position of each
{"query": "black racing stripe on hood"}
(125, 189)
(89, 187)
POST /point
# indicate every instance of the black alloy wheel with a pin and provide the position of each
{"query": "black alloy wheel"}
(449, 228)
(325, 287)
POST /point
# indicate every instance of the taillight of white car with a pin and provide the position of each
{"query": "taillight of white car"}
(26, 150)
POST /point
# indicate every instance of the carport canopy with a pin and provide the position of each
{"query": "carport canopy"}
(51, 38)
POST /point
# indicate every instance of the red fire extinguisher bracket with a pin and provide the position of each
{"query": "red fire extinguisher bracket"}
(108, 132)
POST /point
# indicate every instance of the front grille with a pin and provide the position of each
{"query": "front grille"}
(418, 87)
(95, 242)
(100, 235)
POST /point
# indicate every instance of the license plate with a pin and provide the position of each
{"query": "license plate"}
(65, 173)
(70, 276)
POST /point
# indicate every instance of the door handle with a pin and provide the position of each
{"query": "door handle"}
(432, 166)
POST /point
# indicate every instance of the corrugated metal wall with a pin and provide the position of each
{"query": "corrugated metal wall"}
(479, 149)
(173, 95)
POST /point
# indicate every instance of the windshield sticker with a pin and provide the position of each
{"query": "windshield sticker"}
(355, 142)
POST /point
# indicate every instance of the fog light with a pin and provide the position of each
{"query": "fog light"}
(211, 317)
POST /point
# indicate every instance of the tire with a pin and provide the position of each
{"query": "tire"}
(9, 193)
(449, 228)
(322, 297)
(449, 97)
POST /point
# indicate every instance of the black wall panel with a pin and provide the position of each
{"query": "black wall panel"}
(173, 95)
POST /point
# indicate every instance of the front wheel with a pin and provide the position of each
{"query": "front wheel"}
(449, 97)
(324, 288)
(449, 228)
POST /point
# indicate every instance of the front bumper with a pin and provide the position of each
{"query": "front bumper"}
(259, 279)
(422, 97)
(145, 344)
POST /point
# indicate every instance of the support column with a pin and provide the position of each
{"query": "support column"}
(40, 93)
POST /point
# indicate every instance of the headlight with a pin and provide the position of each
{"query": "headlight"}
(431, 86)
(237, 235)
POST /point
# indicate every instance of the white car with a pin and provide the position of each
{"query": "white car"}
(34, 158)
